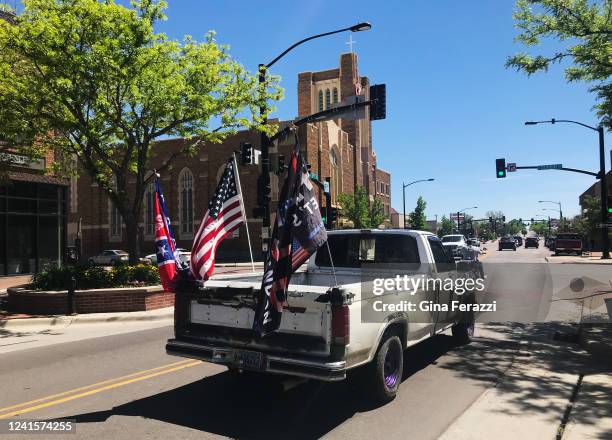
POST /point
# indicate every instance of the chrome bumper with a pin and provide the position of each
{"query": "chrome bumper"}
(326, 371)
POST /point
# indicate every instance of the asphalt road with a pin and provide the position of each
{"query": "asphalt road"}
(124, 386)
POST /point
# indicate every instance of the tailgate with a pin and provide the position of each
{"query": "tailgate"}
(223, 313)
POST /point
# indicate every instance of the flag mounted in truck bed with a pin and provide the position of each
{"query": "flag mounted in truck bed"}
(298, 232)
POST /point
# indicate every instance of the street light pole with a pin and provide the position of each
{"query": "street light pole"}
(459, 212)
(264, 184)
(605, 255)
(558, 203)
(404, 185)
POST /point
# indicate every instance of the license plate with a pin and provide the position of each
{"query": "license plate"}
(249, 359)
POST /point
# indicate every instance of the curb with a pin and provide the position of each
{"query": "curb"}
(94, 318)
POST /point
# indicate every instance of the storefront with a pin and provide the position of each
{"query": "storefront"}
(32, 225)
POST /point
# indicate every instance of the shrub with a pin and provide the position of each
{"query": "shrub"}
(58, 278)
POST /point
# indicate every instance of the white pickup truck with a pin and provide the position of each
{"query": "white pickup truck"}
(324, 331)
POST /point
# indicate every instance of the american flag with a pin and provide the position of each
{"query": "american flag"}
(225, 214)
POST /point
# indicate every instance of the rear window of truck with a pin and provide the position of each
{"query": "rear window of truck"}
(352, 250)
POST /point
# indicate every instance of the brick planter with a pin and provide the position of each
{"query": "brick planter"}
(125, 299)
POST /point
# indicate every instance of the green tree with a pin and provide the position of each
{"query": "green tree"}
(93, 81)
(357, 208)
(583, 29)
(446, 226)
(591, 217)
(417, 218)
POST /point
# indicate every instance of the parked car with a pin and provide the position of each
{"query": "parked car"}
(110, 257)
(184, 255)
(454, 244)
(568, 243)
(519, 240)
(507, 242)
(474, 241)
(532, 242)
(323, 335)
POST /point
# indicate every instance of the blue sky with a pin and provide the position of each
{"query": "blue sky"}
(452, 106)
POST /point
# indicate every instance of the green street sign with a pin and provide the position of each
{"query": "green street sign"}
(313, 176)
(555, 166)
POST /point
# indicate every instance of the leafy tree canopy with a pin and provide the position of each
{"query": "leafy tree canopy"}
(93, 80)
(358, 209)
(583, 30)
(417, 218)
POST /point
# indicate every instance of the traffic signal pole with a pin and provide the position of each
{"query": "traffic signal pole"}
(604, 195)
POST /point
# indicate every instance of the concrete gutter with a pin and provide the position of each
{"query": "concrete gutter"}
(165, 314)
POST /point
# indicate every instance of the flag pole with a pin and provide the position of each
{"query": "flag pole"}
(246, 220)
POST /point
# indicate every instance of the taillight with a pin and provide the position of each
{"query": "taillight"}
(340, 324)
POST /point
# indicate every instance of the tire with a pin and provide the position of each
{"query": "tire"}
(91, 262)
(556, 253)
(386, 370)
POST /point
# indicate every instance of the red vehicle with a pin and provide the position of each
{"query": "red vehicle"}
(568, 243)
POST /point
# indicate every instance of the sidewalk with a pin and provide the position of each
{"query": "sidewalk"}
(552, 390)
(592, 258)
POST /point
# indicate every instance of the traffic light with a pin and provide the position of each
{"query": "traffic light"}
(281, 163)
(503, 218)
(246, 153)
(490, 219)
(333, 215)
(609, 209)
(500, 168)
(378, 108)
(532, 220)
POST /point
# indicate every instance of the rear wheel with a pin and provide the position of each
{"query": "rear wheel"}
(91, 262)
(387, 366)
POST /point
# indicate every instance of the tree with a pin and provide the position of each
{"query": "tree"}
(583, 29)
(417, 218)
(446, 226)
(357, 208)
(93, 81)
(591, 217)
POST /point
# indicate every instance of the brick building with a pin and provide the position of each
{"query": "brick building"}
(32, 209)
(339, 149)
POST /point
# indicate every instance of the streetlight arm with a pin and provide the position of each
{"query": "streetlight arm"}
(417, 181)
(290, 48)
(554, 121)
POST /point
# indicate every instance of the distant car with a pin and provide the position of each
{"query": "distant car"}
(184, 255)
(110, 257)
(507, 243)
(454, 243)
(550, 243)
(532, 242)
(474, 241)
(568, 243)
(519, 240)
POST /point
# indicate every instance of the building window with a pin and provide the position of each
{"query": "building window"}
(335, 95)
(186, 201)
(115, 221)
(150, 209)
(327, 99)
(320, 100)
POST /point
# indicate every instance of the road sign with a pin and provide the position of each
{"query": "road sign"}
(454, 217)
(313, 176)
(555, 166)
(511, 167)
(326, 187)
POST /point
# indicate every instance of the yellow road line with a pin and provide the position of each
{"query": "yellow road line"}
(97, 390)
(138, 373)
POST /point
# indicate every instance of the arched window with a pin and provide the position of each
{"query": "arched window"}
(320, 100)
(334, 165)
(115, 221)
(149, 203)
(327, 99)
(186, 201)
(335, 95)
